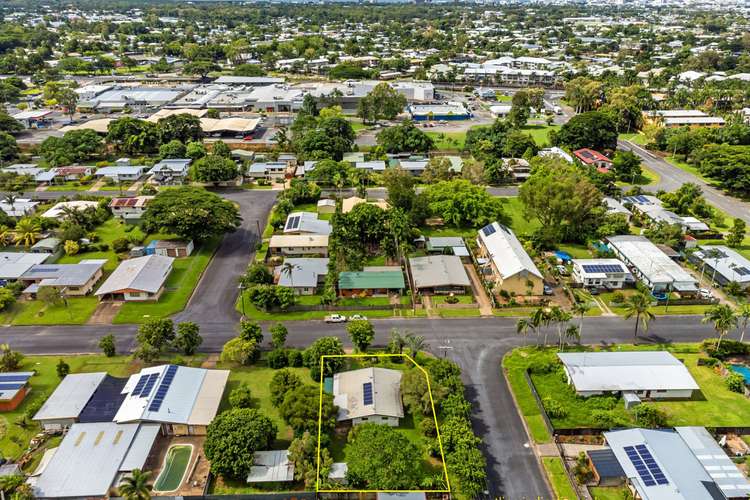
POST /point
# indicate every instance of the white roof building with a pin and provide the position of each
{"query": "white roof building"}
(57, 210)
(629, 371)
(271, 466)
(92, 458)
(306, 223)
(140, 274)
(724, 264)
(366, 393)
(14, 264)
(173, 394)
(651, 265)
(19, 208)
(506, 252)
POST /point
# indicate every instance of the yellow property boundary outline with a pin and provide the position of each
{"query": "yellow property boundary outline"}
(434, 416)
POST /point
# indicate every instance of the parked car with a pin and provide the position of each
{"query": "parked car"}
(593, 291)
(705, 293)
(562, 270)
(335, 318)
(357, 317)
(547, 289)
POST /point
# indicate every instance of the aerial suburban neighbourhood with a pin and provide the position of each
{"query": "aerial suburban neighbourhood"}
(400, 250)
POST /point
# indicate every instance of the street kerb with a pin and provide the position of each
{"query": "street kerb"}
(318, 489)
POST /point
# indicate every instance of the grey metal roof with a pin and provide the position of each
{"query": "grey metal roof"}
(437, 271)
(304, 274)
(87, 461)
(271, 466)
(348, 393)
(70, 397)
(727, 262)
(64, 274)
(140, 447)
(627, 371)
(14, 264)
(719, 466)
(506, 252)
(686, 478)
(146, 274)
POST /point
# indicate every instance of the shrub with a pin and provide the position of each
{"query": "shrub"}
(120, 245)
(650, 416)
(618, 298)
(606, 419)
(451, 299)
(427, 427)
(294, 357)
(736, 382)
(62, 369)
(282, 382)
(278, 358)
(554, 408)
(240, 397)
(541, 366)
(727, 348)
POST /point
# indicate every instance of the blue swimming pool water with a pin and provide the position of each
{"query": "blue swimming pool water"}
(742, 370)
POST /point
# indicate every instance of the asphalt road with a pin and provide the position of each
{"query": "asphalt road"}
(476, 344)
(672, 178)
(214, 298)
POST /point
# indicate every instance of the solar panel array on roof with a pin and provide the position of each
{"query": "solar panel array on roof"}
(149, 385)
(105, 401)
(742, 271)
(139, 385)
(14, 378)
(645, 465)
(489, 229)
(292, 223)
(602, 268)
(12, 386)
(161, 392)
(367, 393)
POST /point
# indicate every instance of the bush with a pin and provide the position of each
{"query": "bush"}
(120, 245)
(294, 357)
(736, 382)
(278, 358)
(541, 366)
(554, 408)
(618, 298)
(283, 381)
(451, 299)
(650, 416)
(605, 419)
(427, 427)
(727, 348)
(241, 397)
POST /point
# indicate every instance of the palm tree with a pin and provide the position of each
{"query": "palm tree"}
(135, 486)
(398, 339)
(639, 305)
(572, 332)
(542, 318)
(743, 315)
(580, 309)
(416, 344)
(5, 233)
(11, 199)
(560, 318)
(287, 268)
(524, 325)
(26, 232)
(724, 319)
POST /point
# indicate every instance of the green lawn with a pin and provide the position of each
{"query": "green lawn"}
(672, 309)
(448, 140)
(575, 250)
(35, 312)
(459, 313)
(540, 133)
(636, 138)
(14, 439)
(555, 470)
(180, 284)
(512, 312)
(462, 299)
(518, 221)
(610, 493)
(70, 186)
(252, 312)
(514, 365)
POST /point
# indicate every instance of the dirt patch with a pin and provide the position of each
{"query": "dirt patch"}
(105, 313)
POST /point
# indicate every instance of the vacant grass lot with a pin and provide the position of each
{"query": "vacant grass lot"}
(77, 312)
(713, 406)
(540, 133)
(448, 140)
(514, 209)
(555, 470)
(180, 284)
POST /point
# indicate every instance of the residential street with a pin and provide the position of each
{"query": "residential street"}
(672, 178)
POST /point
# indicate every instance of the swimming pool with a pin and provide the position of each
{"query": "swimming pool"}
(742, 370)
(175, 467)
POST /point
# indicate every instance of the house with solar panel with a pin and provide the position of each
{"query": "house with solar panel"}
(633, 374)
(130, 208)
(506, 262)
(368, 395)
(681, 464)
(723, 264)
(13, 389)
(306, 223)
(600, 273)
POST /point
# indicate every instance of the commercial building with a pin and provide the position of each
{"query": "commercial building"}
(665, 464)
(683, 118)
(440, 274)
(368, 395)
(137, 279)
(722, 264)
(651, 265)
(507, 263)
(600, 273)
(450, 112)
(136, 98)
(34, 118)
(645, 374)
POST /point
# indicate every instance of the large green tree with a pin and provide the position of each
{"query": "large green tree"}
(132, 136)
(183, 127)
(463, 204)
(213, 168)
(593, 129)
(192, 213)
(405, 137)
(302, 408)
(232, 439)
(380, 457)
(381, 103)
